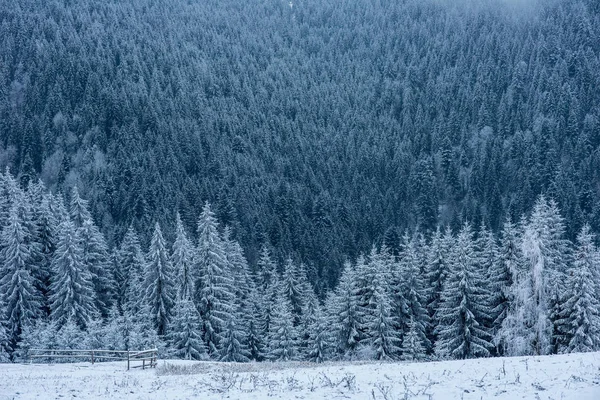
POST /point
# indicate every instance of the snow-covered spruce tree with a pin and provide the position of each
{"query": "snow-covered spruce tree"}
(5, 347)
(20, 299)
(41, 335)
(129, 273)
(318, 344)
(95, 253)
(290, 285)
(310, 306)
(560, 258)
(437, 272)
(233, 347)
(414, 293)
(182, 259)
(159, 291)
(242, 284)
(580, 317)
(213, 289)
(366, 276)
(141, 329)
(95, 335)
(412, 345)
(46, 237)
(256, 337)
(268, 282)
(267, 306)
(246, 305)
(96, 257)
(463, 308)
(283, 337)
(383, 339)
(71, 291)
(70, 335)
(7, 187)
(488, 256)
(266, 269)
(501, 279)
(78, 209)
(532, 323)
(185, 332)
(342, 314)
(114, 330)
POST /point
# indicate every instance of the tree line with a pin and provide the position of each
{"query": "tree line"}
(452, 295)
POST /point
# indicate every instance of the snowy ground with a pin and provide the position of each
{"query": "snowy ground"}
(575, 376)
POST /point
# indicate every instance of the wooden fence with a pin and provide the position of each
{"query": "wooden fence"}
(148, 358)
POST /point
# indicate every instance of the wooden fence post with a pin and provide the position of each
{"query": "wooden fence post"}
(92, 357)
(127, 360)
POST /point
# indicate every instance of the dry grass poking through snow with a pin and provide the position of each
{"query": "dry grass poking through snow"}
(562, 377)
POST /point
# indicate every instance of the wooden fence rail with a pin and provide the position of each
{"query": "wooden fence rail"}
(148, 358)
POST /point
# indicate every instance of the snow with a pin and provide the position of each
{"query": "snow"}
(572, 376)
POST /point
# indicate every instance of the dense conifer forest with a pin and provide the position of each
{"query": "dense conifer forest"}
(276, 180)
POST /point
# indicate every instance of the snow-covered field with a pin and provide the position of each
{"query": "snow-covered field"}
(574, 376)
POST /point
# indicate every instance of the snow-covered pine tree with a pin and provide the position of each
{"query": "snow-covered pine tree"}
(19, 296)
(290, 286)
(383, 339)
(213, 289)
(95, 252)
(182, 259)
(310, 306)
(185, 332)
(114, 331)
(129, 273)
(580, 317)
(159, 291)
(70, 336)
(501, 279)
(96, 257)
(256, 337)
(412, 345)
(268, 300)
(266, 269)
(46, 237)
(488, 260)
(414, 293)
(342, 313)
(9, 189)
(319, 338)
(437, 272)
(39, 224)
(366, 274)
(5, 347)
(28, 213)
(78, 209)
(283, 337)
(463, 308)
(140, 332)
(41, 335)
(233, 348)
(532, 326)
(267, 285)
(71, 291)
(239, 271)
(382, 336)
(95, 335)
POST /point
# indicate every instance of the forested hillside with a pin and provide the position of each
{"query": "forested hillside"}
(314, 127)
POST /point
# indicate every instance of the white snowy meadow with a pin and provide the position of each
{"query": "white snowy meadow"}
(569, 376)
